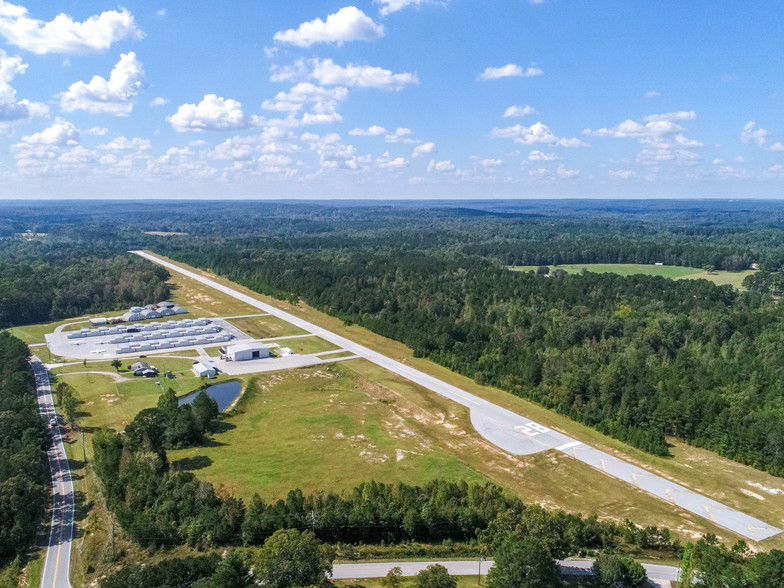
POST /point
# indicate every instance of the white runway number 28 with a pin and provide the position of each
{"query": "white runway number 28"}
(531, 429)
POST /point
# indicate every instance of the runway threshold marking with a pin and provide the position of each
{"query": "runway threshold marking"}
(569, 445)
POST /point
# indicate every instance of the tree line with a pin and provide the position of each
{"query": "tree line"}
(24, 471)
(38, 287)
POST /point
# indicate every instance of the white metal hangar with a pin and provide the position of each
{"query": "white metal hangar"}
(245, 351)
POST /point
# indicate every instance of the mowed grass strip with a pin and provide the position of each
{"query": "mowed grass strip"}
(265, 327)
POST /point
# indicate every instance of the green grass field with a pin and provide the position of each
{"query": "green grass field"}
(319, 428)
(264, 327)
(735, 279)
(111, 403)
(305, 345)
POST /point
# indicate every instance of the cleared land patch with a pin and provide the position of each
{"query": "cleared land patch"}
(622, 269)
(735, 279)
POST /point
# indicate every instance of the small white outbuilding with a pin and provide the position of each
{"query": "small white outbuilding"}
(246, 351)
(204, 369)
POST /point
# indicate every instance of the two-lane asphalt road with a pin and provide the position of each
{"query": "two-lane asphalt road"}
(659, 575)
(515, 433)
(57, 566)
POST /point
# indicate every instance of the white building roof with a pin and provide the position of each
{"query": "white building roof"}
(203, 366)
(246, 347)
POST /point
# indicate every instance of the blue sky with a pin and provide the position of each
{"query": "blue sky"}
(391, 99)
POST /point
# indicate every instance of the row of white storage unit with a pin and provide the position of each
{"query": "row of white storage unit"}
(149, 327)
(169, 334)
(171, 343)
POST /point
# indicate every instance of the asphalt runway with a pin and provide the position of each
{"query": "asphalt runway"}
(515, 433)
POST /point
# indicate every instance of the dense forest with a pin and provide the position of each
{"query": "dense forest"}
(24, 471)
(41, 283)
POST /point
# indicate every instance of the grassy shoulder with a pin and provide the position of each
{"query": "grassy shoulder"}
(265, 327)
(703, 471)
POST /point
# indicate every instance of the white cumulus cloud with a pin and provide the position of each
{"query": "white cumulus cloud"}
(440, 166)
(670, 116)
(63, 34)
(621, 174)
(371, 131)
(423, 149)
(114, 96)
(537, 134)
(159, 101)
(347, 24)
(390, 6)
(327, 73)
(486, 163)
(124, 144)
(540, 156)
(11, 109)
(566, 173)
(303, 93)
(213, 113)
(751, 134)
(510, 70)
(519, 111)
(388, 162)
(362, 76)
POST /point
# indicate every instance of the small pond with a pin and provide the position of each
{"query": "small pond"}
(224, 394)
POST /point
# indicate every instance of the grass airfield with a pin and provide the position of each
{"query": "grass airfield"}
(333, 426)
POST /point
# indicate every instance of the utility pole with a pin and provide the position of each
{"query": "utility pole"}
(84, 447)
(479, 574)
(112, 540)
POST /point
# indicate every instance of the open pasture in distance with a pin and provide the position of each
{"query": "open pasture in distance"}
(265, 327)
(622, 269)
(719, 277)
